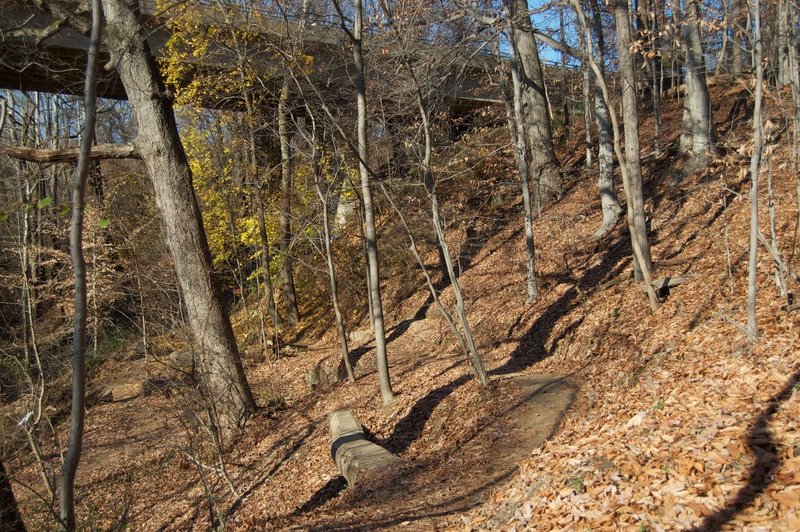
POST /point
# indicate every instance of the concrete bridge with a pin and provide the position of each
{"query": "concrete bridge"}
(56, 63)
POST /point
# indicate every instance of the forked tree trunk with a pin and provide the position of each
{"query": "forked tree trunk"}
(220, 370)
(548, 185)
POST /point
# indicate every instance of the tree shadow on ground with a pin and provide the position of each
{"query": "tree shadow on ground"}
(410, 495)
(410, 427)
(394, 333)
(329, 491)
(767, 461)
(530, 350)
(300, 437)
(532, 347)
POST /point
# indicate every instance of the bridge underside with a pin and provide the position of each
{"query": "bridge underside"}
(57, 63)
(58, 71)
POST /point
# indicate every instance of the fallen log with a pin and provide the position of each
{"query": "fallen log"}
(352, 452)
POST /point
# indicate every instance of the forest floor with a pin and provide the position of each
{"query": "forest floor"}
(602, 414)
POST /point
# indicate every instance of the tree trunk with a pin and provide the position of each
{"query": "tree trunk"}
(697, 134)
(565, 89)
(795, 69)
(516, 121)
(783, 42)
(587, 113)
(630, 116)
(266, 260)
(69, 468)
(257, 182)
(326, 236)
(755, 166)
(369, 210)
(548, 186)
(657, 66)
(739, 37)
(10, 519)
(287, 274)
(609, 203)
(221, 375)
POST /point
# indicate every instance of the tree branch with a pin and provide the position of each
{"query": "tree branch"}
(70, 155)
(559, 46)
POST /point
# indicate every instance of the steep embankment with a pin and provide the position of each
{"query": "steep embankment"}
(681, 422)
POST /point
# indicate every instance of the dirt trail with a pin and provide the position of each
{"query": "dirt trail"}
(417, 496)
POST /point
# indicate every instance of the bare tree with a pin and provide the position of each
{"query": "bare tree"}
(609, 203)
(78, 406)
(287, 273)
(221, 374)
(631, 174)
(323, 195)
(755, 168)
(697, 135)
(376, 304)
(548, 181)
(630, 114)
(516, 121)
(429, 182)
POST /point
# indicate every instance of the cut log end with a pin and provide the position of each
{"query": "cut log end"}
(352, 452)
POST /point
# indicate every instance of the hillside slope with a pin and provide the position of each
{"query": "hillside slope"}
(676, 420)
